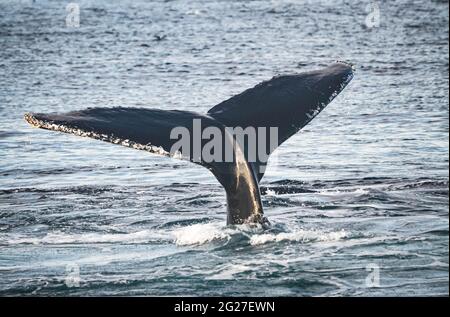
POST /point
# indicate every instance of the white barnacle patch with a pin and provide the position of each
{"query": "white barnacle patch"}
(314, 112)
(346, 63)
(310, 115)
(341, 87)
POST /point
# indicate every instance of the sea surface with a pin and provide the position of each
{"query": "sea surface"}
(358, 200)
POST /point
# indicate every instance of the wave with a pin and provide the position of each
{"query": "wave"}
(254, 235)
(190, 235)
(300, 235)
(201, 234)
(144, 236)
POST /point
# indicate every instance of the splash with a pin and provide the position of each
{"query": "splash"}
(201, 234)
(197, 234)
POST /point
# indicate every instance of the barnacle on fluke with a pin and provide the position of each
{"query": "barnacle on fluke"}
(31, 119)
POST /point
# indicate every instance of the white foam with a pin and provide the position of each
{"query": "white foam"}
(297, 236)
(65, 238)
(197, 234)
(337, 192)
(229, 271)
(213, 231)
(201, 233)
(205, 233)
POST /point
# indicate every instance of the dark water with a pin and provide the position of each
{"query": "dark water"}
(363, 189)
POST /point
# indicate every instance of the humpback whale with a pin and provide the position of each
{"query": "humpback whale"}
(283, 104)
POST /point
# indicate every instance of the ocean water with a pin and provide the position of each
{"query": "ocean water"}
(358, 200)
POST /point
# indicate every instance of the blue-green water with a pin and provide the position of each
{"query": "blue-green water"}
(363, 189)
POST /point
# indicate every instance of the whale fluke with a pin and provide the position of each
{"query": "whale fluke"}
(139, 128)
(280, 107)
(287, 102)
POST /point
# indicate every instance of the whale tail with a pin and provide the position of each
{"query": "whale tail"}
(286, 103)
(278, 108)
